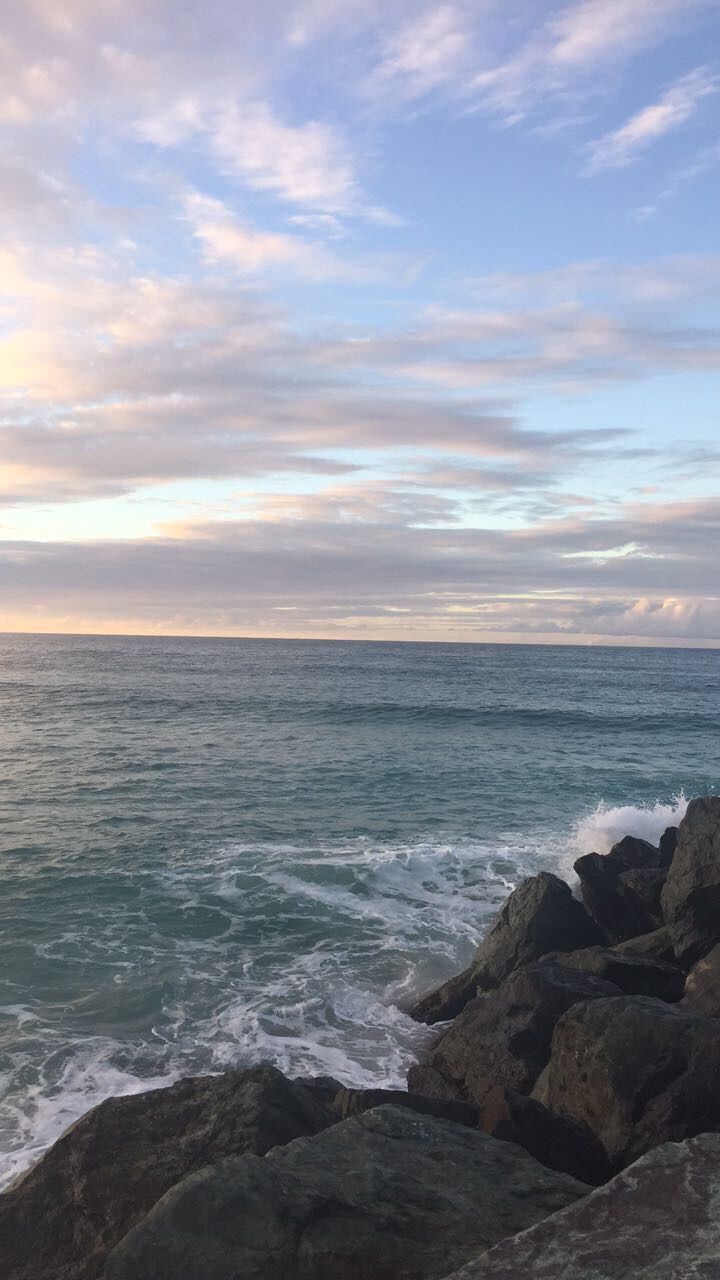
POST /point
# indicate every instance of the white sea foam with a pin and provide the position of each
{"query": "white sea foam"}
(598, 831)
(319, 953)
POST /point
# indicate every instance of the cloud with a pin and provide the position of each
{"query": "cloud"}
(673, 109)
(430, 51)
(370, 567)
(578, 41)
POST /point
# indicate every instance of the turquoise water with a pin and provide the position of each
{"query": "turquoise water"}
(218, 851)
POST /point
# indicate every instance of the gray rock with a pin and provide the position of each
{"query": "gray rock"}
(691, 897)
(655, 1221)
(446, 1001)
(634, 974)
(556, 1141)
(668, 845)
(702, 990)
(59, 1220)
(656, 945)
(541, 915)
(353, 1102)
(621, 890)
(503, 1038)
(638, 1072)
(387, 1195)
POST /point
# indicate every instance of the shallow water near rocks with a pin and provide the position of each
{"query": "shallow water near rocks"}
(214, 852)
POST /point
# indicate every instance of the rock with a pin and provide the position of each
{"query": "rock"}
(387, 1195)
(702, 990)
(668, 845)
(447, 1001)
(655, 1221)
(656, 945)
(60, 1219)
(642, 888)
(637, 1072)
(620, 889)
(633, 974)
(691, 897)
(503, 1038)
(555, 1141)
(541, 915)
(353, 1102)
(634, 853)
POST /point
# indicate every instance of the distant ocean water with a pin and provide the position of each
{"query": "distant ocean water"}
(217, 851)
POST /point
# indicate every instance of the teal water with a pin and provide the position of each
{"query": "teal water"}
(215, 851)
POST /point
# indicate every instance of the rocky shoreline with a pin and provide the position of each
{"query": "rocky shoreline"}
(564, 1124)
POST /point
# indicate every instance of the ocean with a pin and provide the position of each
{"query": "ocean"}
(219, 851)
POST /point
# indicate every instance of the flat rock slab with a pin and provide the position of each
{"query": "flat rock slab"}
(636, 975)
(386, 1195)
(60, 1219)
(655, 1221)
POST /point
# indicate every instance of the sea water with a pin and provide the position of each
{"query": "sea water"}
(214, 852)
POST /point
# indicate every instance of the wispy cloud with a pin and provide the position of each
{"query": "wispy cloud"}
(679, 103)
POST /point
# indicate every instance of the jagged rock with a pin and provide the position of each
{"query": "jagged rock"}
(556, 1141)
(668, 845)
(387, 1195)
(541, 915)
(633, 974)
(448, 1000)
(353, 1102)
(59, 1220)
(656, 945)
(637, 1071)
(633, 853)
(655, 1221)
(702, 990)
(642, 888)
(621, 889)
(691, 897)
(503, 1038)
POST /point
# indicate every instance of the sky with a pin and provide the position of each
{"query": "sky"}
(336, 318)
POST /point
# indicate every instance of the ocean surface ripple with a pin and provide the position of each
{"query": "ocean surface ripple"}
(214, 852)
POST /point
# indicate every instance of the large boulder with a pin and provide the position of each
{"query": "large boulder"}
(621, 890)
(691, 897)
(448, 1000)
(556, 1141)
(655, 1221)
(386, 1195)
(656, 945)
(635, 975)
(353, 1102)
(702, 989)
(59, 1220)
(503, 1038)
(668, 845)
(541, 915)
(637, 1072)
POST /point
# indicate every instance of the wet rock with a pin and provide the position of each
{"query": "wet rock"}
(540, 916)
(655, 1221)
(656, 945)
(638, 1072)
(61, 1218)
(387, 1195)
(353, 1102)
(621, 889)
(555, 1141)
(503, 1038)
(668, 845)
(691, 897)
(448, 1000)
(702, 990)
(636, 975)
